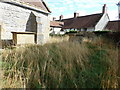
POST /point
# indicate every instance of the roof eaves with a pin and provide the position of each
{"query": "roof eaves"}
(115, 21)
(26, 5)
(46, 6)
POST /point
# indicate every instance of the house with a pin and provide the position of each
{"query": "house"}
(24, 21)
(93, 22)
(118, 10)
(113, 26)
(56, 26)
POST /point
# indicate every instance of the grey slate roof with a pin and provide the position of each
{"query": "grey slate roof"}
(113, 26)
(82, 21)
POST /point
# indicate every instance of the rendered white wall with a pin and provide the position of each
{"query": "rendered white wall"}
(55, 30)
(102, 22)
(88, 29)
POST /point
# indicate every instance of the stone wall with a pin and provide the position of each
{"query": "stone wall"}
(19, 19)
(82, 37)
(57, 39)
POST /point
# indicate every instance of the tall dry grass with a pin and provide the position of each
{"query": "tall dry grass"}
(51, 65)
(60, 65)
(111, 78)
(58, 39)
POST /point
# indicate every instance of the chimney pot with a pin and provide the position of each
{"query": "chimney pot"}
(61, 17)
(54, 18)
(118, 10)
(76, 14)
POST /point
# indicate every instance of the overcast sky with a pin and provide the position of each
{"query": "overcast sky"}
(83, 7)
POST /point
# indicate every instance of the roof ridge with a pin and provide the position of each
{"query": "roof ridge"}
(114, 21)
(83, 16)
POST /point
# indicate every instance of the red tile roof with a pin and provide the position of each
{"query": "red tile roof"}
(82, 21)
(38, 3)
(56, 24)
(113, 25)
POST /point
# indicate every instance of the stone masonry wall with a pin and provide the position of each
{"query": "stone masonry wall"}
(15, 19)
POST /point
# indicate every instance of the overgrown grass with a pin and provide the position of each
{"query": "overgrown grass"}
(60, 65)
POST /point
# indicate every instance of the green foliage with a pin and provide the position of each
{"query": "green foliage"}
(57, 35)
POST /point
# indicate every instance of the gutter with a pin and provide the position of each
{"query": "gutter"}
(46, 6)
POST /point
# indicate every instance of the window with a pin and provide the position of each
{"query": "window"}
(84, 29)
(79, 29)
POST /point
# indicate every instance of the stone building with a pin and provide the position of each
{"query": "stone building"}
(26, 21)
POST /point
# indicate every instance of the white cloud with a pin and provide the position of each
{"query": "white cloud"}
(113, 15)
(68, 16)
(84, 7)
(82, 12)
(68, 1)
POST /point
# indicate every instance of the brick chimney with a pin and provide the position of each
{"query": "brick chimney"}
(118, 10)
(54, 18)
(61, 17)
(76, 14)
(104, 9)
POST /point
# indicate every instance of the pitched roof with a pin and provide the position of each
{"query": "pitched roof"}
(56, 24)
(82, 21)
(113, 25)
(37, 3)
